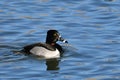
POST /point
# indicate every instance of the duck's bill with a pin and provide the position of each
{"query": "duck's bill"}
(63, 40)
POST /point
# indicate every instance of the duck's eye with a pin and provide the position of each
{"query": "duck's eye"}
(55, 34)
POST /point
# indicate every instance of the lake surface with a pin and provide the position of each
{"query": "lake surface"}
(92, 28)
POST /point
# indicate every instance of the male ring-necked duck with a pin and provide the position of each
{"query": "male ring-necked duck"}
(49, 49)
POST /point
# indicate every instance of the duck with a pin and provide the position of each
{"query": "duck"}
(48, 49)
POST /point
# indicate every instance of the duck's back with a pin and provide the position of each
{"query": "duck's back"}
(29, 47)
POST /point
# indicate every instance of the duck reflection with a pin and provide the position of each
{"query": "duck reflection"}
(52, 64)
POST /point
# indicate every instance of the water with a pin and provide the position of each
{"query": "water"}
(90, 26)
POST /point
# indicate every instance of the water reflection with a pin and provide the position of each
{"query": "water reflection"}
(52, 64)
(109, 0)
(90, 25)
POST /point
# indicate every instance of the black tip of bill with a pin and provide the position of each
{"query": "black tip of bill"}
(63, 40)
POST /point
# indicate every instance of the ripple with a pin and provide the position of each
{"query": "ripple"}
(91, 27)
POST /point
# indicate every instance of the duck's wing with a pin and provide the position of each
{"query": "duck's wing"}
(27, 48)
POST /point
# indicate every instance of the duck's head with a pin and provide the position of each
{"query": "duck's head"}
(53, 36)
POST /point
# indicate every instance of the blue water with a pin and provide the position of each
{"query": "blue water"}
(92, 28)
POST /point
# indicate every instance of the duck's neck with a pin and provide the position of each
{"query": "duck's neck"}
(52, 43)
